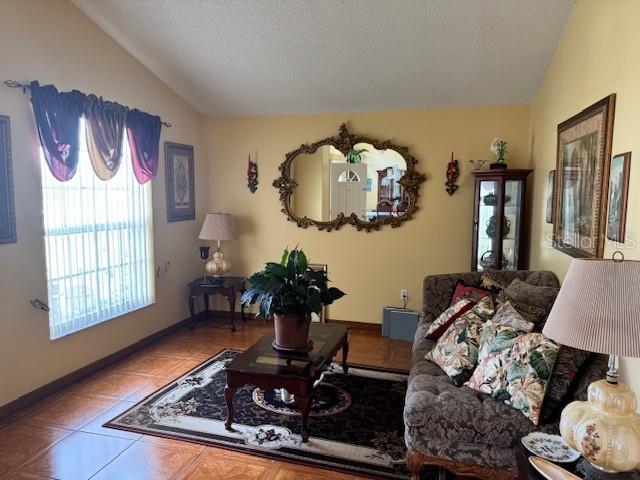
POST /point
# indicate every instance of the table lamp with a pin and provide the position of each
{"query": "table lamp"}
(598, 310)
(218, 226)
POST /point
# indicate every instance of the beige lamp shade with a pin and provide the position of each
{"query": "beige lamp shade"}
(218, 226)
(598, 308)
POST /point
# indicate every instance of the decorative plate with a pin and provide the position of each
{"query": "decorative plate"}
(550, 447)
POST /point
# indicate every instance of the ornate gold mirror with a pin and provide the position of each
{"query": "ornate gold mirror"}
(349, 179)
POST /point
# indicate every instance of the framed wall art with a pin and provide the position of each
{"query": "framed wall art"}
(181, 198)
(551, 181)
(7, 211)
(582, 180)
(618, 192)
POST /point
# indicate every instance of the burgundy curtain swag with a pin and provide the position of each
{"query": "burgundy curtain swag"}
(143, 131)
(57, 116)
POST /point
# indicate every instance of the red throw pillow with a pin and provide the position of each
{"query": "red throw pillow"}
(467, 291)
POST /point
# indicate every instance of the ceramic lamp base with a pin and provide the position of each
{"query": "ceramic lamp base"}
(217, 266)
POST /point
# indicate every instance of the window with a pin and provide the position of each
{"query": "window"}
(99, 247)
(348, 176)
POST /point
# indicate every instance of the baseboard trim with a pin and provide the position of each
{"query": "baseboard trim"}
(39, 393)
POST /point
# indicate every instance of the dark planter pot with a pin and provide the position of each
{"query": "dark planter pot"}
(292, 332)
(498, 166)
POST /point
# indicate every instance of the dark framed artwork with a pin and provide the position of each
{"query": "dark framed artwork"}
(551, 190)
(179, 170)
(618, 192)
(7, 208)
(582, 180)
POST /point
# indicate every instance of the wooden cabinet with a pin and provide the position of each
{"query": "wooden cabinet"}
(499, 219)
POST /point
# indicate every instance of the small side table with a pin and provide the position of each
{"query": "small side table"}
(228, 287)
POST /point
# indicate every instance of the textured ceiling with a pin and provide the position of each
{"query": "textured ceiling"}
(265, 57)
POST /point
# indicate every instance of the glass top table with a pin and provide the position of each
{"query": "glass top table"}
(267, 368)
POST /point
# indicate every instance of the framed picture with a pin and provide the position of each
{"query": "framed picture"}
(618, 191)
(582, 179)
(7, 212)
(551, 180)
(181, 198)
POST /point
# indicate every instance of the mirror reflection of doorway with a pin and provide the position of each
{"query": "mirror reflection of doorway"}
(348, 189)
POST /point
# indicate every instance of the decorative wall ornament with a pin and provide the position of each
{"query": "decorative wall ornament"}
(344, 143)
(582, 179)
(7, 211)
(453, 171)
(252, 175)
(478, 164)
(179, 171)
(618, 192)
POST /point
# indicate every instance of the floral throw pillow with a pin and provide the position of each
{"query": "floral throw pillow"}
(530, 363)
(496, 340)
(457, 349)
(450, 315)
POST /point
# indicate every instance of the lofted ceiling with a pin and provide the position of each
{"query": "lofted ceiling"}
(269, 57)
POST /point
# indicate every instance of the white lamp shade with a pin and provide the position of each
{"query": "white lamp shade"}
(598, 308)
(218, 226)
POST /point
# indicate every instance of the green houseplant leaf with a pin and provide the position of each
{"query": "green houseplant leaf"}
(290, 287)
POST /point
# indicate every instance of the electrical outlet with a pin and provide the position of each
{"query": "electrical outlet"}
(404, 294)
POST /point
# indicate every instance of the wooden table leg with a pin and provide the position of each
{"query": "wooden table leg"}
(232, 307)
(304, 404)
(192, 310)
(345, 353)
(228, 398)
(206, 306)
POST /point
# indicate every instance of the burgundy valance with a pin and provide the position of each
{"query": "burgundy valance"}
(143, 131)
(57, 115)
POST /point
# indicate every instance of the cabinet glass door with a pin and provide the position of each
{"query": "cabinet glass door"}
(511, 234)
(488, 213)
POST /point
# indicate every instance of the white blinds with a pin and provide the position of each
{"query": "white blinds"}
(99, 246)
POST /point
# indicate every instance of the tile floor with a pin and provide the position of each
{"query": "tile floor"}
(62, 436)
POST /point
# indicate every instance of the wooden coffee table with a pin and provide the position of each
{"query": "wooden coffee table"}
(263, 367)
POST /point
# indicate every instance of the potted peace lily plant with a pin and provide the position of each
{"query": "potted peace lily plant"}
(290, 291)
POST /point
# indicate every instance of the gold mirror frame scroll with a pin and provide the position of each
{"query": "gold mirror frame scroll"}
(343, 142)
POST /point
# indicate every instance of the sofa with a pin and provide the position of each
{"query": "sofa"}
(463, 431)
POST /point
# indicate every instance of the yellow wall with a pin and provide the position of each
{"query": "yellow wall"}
(55, 43)
(370, 267)
(597, 55)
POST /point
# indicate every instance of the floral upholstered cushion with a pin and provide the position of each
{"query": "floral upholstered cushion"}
(450, 315)
(467, 291)
(456, 352)
(529, 368)
(496, 340)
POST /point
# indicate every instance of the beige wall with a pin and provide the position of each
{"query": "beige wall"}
(370, 267)
(597, 55)
(53, 42)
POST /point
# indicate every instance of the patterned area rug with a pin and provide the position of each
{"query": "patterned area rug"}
(355, 423)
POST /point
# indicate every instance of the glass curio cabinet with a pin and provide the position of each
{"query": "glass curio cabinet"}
(499, 219)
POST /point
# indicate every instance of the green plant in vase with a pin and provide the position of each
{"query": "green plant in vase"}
(355, 155)
(499, 149)
(290, 291)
